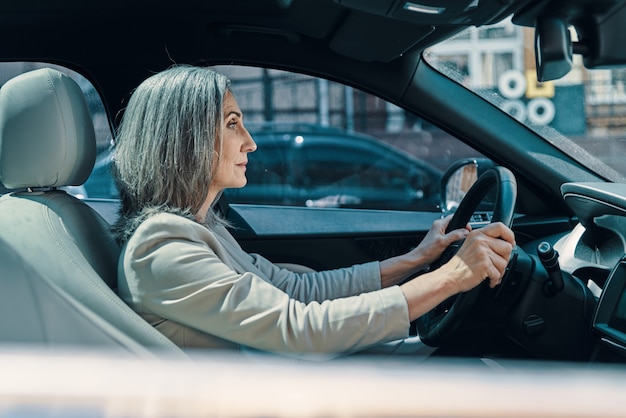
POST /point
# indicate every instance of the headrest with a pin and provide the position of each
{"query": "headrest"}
(47, 137)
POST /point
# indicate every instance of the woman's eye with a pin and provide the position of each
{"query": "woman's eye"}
(232, 124)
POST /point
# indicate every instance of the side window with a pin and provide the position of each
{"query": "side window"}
(8, 70)
(324, 144)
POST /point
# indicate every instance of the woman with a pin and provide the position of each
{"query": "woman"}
(181, 142)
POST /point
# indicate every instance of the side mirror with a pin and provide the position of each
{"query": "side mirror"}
(458, 179)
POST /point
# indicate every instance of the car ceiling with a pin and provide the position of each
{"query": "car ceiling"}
(118, 43)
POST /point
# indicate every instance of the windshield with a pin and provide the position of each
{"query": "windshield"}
(583, 113)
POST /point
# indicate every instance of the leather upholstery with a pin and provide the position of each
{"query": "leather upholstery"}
(59, 245)
(46, 131)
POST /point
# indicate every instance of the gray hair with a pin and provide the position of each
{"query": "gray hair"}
(165, 148)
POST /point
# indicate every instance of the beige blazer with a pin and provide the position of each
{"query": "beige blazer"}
(201, 289)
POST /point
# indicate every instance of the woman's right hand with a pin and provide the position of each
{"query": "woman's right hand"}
(484, 255)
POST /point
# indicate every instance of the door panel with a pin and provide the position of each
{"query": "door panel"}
(323, 238)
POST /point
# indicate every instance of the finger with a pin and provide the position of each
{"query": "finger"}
(495, 276)
(499, 230)
(456, 235)
(494, 282)
(498, 269)
(500, 263)
(443, 223)
(501, 248)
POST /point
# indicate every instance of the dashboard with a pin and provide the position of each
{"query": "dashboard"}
(595, 251)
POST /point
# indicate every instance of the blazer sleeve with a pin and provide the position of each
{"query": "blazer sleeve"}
(322, 285)
(176, 270)
(305, 287)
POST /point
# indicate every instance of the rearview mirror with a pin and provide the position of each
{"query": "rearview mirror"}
(553, 49)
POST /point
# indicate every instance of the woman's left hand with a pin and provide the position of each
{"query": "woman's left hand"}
(395, 269)
(436, 241)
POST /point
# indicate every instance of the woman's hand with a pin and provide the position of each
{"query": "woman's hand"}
(436, 241)
(396, 269)
(483, 256)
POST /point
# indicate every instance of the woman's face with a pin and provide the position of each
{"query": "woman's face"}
(236, 144)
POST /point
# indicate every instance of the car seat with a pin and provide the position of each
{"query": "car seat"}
(58, 272)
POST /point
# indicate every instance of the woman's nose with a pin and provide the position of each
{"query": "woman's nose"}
(249, 145)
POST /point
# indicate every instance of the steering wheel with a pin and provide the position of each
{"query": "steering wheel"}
(439, 324)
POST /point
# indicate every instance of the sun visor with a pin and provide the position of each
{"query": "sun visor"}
(437, 12)
(356, 39)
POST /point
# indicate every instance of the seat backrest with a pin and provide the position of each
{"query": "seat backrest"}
(35, 311)
(47, 141)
